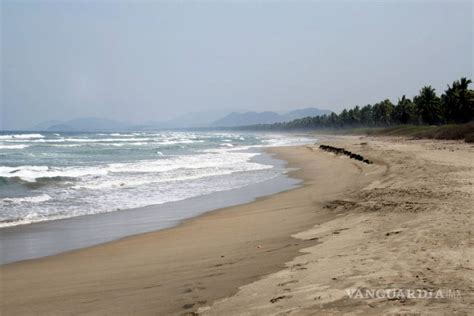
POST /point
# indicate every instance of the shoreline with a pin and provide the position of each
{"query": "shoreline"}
(46, 238)
(403, 222)
(205, 258)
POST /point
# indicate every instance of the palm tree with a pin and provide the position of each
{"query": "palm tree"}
(428, 105)
(366, 115)
(383, 113)
(456, 103)
(405, 111)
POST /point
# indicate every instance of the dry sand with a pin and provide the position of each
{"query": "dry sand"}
(404, 221)
(410, 229)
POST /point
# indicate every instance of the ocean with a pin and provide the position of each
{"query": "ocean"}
(50, 176)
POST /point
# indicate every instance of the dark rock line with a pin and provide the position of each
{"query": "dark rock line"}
(342, 151)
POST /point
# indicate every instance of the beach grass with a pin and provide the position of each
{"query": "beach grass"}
(447, 132)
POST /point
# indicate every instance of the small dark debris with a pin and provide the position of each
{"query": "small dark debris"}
(276, 299)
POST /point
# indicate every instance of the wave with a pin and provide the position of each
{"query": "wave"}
(28, 199)
(133, 139)
(98, 179)
(81, 140)
(180, 141)
(125, 144)
(35, 183)
(33, 173)
(35, 140)
(13, 146)
(123, 135)
(225, 160)
(30, 218)
(66, 145)
(282, 140)
(105, 140)
(173, 170)
(21, 136)
(124, 196)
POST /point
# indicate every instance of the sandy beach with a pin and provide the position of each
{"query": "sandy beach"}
(402, 222)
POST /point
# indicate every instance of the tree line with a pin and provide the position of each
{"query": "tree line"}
(454, 106)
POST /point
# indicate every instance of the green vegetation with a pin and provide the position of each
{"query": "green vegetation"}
(407, 117)
(450, 131)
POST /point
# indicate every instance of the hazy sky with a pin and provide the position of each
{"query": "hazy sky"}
(140, 61)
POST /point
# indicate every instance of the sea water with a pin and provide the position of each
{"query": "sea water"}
(48, 176)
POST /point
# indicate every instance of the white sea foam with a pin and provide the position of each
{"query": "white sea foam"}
(156, 141)
(21, 136)
(66, 145)
(162, 167)
(124, 144)
(104, 140)
(283, 140)
(32, 173)
(27, 199)
(35, 140)
(179, 141)
(13, 146)
(137, 144)
(177, 169)
(200, 161)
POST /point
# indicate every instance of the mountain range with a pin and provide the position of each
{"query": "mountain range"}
(267, 117)
(204, 119)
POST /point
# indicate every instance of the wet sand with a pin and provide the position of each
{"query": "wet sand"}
(52, 237)
(180, 269)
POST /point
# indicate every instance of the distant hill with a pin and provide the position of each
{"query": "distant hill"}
(253, 118)
(43, 126)
(82, 125)
(188, 120)
(296, 114)
(60, 128)
(203, 119)
(248, 118)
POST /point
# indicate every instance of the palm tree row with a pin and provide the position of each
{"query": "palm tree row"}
(456, 105)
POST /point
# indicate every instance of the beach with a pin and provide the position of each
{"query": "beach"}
(402, 222)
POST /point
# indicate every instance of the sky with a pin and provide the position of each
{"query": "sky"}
(140, 61)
